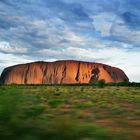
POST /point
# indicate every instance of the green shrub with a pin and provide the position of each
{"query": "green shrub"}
(55, 102)
(101, 83)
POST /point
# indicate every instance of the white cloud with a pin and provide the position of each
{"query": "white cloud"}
(48, 34)
(103, 22)
(7, 60)
(126, 34)
(122, 32)
(7, 48)
(110, 24)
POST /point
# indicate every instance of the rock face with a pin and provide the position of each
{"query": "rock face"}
(68, 71)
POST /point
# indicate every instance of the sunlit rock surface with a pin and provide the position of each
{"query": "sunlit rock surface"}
(68, 71)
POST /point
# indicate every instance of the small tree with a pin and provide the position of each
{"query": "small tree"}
(101, 83)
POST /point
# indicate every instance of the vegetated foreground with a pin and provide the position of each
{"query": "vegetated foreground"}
(69, 113)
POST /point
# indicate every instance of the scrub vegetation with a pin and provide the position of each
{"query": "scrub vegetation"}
(69, 112)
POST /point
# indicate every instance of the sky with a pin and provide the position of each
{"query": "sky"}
(103, 31)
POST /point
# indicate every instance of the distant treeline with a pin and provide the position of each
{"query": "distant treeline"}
(127, 84)
(99, 83)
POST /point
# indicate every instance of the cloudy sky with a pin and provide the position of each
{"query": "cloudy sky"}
(105, 31)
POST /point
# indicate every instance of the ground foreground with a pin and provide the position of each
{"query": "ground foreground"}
(69, 113)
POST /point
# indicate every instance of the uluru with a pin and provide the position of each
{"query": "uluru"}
(64, 71)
